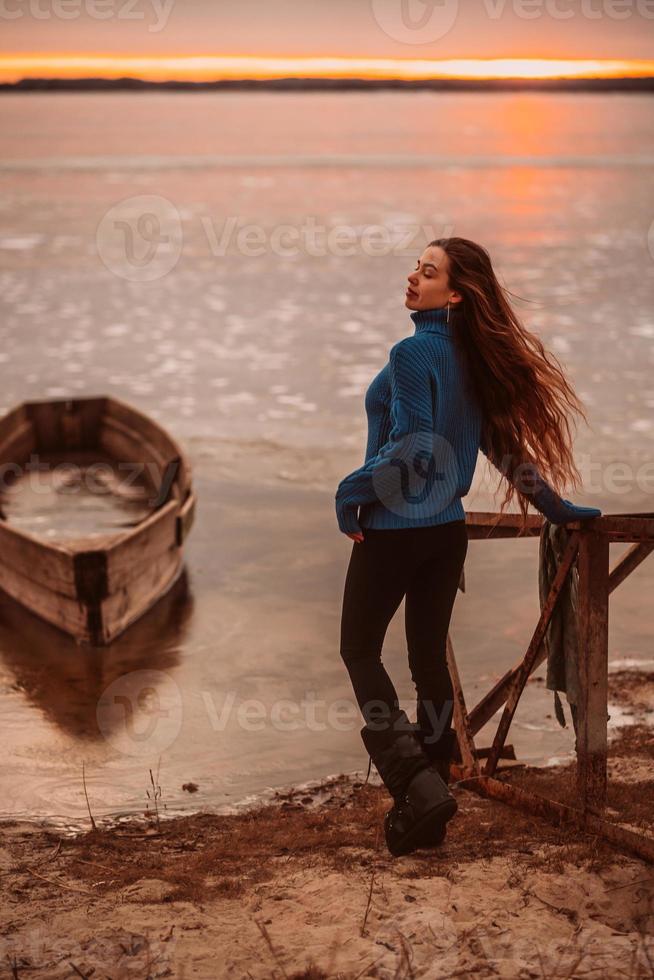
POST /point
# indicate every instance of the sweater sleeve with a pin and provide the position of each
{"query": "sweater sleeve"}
(541, 494)
(410, 436)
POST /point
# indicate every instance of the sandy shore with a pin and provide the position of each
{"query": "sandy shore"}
(304, 887)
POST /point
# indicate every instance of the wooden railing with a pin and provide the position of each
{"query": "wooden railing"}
(588, 546)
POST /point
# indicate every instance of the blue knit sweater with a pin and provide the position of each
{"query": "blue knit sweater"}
(424, 432)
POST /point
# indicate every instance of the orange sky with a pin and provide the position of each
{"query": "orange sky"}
(204, 67)
(206, 39)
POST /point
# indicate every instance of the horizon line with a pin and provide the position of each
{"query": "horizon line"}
(206, 68)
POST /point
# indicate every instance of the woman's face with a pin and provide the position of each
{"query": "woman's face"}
(428, 283)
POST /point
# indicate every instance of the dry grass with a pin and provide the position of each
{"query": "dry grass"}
(630, 758)
(207, 856)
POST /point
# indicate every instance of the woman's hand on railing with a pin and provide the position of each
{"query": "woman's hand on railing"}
(559, 510)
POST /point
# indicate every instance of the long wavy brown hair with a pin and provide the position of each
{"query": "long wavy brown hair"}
(525, 398)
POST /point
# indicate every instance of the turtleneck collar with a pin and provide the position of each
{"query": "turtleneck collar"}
(434, 320)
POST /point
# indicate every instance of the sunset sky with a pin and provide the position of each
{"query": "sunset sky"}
(367, 38)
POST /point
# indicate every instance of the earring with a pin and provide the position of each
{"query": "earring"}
(448, 312)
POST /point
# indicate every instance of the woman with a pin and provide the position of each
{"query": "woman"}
(469, 377)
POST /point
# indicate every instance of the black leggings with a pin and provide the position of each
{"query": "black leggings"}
(424, 565)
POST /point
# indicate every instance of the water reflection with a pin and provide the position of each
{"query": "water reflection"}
(65, 681)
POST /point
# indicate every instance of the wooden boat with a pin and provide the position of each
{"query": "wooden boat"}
(93, 587)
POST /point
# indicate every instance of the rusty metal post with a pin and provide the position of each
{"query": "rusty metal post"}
(531, 657)
(593, 613)
(465, 738)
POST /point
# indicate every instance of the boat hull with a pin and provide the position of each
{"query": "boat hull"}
(94, 588)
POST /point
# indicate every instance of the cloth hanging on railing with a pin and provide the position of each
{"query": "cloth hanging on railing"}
(562, 635)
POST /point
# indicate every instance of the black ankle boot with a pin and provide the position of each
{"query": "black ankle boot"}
(423, 803)
(440, 754)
